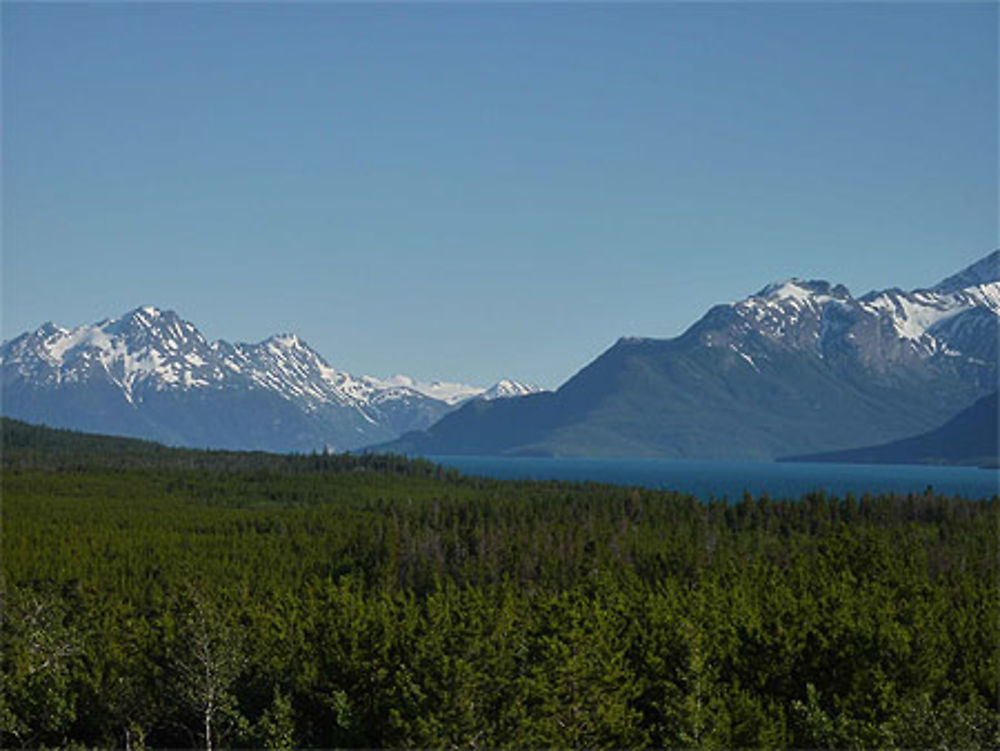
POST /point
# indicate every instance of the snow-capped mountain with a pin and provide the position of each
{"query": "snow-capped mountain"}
(457, 393)
(445, 391)
(508, 389)
(152, 374)
(799, 367)
(951, 326)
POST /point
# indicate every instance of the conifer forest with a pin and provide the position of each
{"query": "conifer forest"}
(167, 598)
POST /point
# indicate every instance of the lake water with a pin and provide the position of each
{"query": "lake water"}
(706, 479)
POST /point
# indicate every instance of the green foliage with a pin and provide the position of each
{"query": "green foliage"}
(276, 726)
(158, 598)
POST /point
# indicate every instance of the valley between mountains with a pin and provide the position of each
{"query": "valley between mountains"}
(800, 367)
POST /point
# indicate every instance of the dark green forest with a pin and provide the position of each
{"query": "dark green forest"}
(164, 598)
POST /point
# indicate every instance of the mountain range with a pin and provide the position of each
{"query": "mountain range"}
(151, 374)
(799, 367)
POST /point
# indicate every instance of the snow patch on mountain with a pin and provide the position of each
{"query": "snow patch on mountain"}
(509, 389)
(912, 313)
(457, 393)
(941, 320)
(446, 391)
(804, 292)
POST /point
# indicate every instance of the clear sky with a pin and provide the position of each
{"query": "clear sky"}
(477, 191)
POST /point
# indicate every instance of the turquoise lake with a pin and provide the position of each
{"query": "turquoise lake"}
(718, 480)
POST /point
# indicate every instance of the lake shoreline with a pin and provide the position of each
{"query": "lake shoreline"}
(717, 480)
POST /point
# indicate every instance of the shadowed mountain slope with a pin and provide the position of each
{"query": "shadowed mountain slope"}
(969, 438)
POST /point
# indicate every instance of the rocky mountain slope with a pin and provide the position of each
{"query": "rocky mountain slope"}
(151, 374)
(799, 367)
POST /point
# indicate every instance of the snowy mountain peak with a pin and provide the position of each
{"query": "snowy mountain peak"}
(150, 316)
(148, 326)
(801, 290)
(289, 342)
(508, 389)
(984, 271)
(150, 311)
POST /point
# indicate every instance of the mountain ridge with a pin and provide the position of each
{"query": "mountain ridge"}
(800, 365)
(151, 374)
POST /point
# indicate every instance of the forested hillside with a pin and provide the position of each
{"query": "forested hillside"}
(162, 598)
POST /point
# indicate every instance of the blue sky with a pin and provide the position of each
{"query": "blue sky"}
(477, 191)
